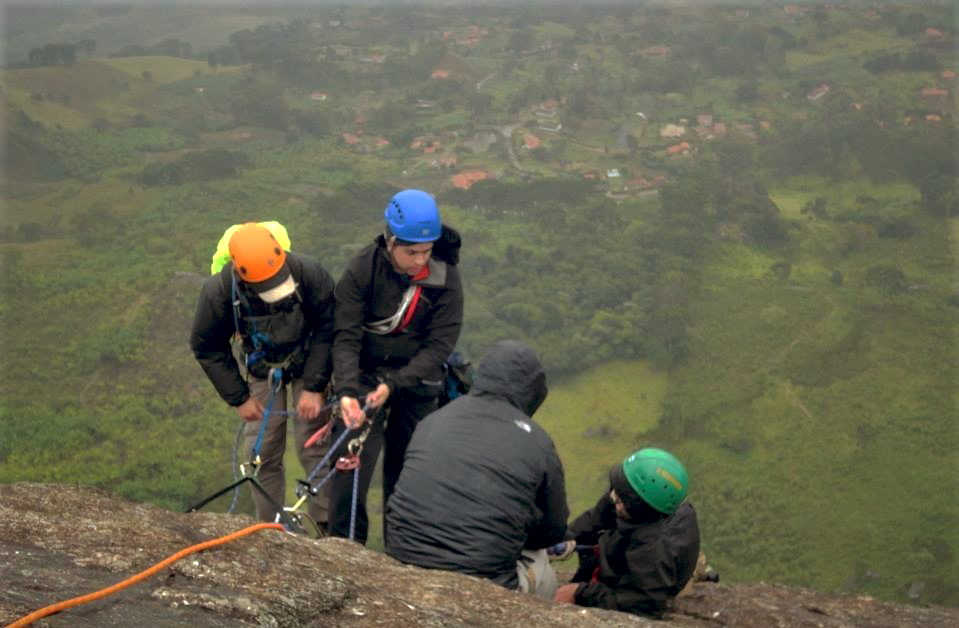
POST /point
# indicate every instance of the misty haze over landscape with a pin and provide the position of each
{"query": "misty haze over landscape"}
(728, 230)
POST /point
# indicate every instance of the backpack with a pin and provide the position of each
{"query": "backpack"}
(459, 378)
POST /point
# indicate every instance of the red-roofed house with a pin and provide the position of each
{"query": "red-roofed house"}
(935, 94)
(440, 74)
(530, 141)
(678, 149)
(655, 51)
(948, 75)
(465, 180)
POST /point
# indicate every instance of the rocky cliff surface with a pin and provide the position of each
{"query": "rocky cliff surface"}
(58, 542)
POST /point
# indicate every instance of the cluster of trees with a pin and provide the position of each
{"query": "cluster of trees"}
(170, 47)
(207, 165)
(845, 143)
(60, 54)
(914, 61)
(589, 280)
(288, 49)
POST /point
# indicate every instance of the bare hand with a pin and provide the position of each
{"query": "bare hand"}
(250, 410)
(566, 594)
(309, 405)
(353, 415)
(378, 397)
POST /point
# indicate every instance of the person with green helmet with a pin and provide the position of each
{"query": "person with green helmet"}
(644, 537)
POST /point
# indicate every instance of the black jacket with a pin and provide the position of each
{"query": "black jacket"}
(213, 326)
(371, 290)
(481, 481)
(642, 565)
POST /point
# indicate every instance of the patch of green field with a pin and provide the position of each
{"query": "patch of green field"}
(738, 261)
(553, 30)
(857, 42)
(164, 69)
(596, 419)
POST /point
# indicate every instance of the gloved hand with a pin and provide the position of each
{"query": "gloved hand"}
(561, 551)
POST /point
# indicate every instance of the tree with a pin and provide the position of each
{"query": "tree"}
(520, 40)
(888, 279)
(939, 195)
(87, 46)
(480, 103)
(747, 91)
(911, 24)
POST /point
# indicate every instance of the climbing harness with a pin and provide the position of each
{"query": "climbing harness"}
(265, 347)
(26, 620)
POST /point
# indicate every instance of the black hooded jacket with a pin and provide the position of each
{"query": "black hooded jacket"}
(642, 564)
(481, 480)
(371, 290)
(213, 326)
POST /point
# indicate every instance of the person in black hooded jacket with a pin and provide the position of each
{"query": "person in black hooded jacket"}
(482, 489)
(399, 310)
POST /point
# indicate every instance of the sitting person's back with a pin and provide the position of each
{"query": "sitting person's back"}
(644, 538)
(481, 482)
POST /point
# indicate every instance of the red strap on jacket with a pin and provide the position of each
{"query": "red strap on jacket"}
(408, 316)
(599, 567)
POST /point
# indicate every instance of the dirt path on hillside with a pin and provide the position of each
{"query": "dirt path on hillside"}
(506, 132)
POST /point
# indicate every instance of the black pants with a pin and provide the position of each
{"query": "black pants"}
(392, 429)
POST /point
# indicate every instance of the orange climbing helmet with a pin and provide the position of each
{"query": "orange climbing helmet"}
(260, 261)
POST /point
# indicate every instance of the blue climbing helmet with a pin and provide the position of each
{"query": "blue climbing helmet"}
(412, 216)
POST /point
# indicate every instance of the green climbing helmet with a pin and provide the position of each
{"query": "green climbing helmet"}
(658, 477)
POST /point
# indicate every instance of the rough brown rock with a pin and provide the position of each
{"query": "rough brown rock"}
(58, 542)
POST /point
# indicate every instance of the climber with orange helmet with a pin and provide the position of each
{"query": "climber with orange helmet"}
(399, 310)
(644, 538)
(280, 304)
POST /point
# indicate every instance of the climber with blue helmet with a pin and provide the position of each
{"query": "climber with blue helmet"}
(399, 311)
(644, 537)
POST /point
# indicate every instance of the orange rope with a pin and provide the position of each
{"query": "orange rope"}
(143, 575)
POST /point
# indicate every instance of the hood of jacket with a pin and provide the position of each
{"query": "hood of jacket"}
(511, 371)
